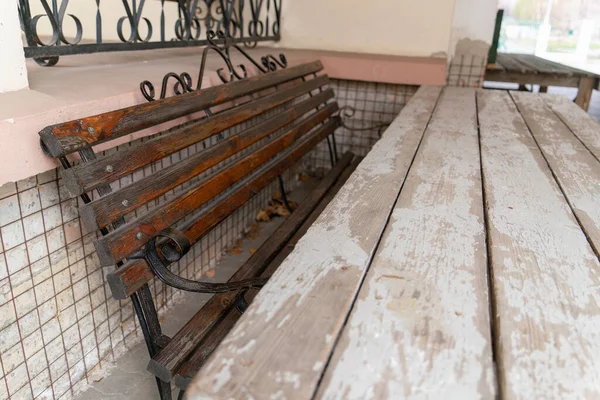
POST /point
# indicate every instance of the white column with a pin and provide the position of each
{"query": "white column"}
(584, 40)
(13, 74)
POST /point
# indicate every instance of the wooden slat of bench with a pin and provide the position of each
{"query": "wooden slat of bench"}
(166, 363)
(579, 121)
(129, 278)
(62, 139)
(280, 346)
(88, 176)
(420, 326)
(119, 243)
(106, 209)
(545, 274)
(536, 64)
(190, 368)
(576, 169)
(508, 62)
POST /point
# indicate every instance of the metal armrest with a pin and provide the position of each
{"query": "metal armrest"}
(177, 246)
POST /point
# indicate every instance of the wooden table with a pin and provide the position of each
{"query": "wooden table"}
(459, 261)
(529, 69)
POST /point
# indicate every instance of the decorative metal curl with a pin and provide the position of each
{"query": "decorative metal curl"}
(176, 245)
(183, 84)
(221, 44)
(56, 16)
(347, 112)
(134, 17)
(188, 26)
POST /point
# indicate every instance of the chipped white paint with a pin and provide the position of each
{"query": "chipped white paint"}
(420, 327)
(545, 274)
(315, 286)
(585, 128)
(576, 169)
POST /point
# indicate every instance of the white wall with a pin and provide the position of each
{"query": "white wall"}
(473, 27)
(396, 27)
(13, 74)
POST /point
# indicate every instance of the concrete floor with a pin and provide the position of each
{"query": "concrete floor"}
(127, 378)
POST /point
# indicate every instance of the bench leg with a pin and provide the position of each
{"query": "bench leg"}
(584, 94)
(335, 151)
(148, 319)
(330, 152)
(241, 304)
(164, 390)
(283, 195)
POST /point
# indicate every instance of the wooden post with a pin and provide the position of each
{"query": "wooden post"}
(494, 47)
(586, 87)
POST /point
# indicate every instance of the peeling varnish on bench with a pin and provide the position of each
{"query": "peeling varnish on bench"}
(313, 289)
(420, 327)
(576, 169)
(579, 121)
(546, 282)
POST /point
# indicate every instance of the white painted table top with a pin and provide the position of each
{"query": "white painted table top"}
(460, 261)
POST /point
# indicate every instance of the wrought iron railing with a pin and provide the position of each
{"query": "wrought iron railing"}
(244, 21)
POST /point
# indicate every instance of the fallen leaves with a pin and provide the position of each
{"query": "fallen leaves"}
(275, 208)
(210, 273)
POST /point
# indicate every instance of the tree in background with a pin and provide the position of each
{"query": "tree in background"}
(529, 10)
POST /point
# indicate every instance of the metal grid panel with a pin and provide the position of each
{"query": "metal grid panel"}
(466, 70)
(375, 104)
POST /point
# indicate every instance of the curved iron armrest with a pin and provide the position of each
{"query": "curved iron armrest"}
(176, 247)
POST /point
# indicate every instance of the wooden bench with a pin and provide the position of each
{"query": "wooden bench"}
(295, 113)
(465, 265)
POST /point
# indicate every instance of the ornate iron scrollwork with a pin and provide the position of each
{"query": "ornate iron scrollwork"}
(175, 247)
(56, 16)
(135, 31)
(134, 17)
(221, 44)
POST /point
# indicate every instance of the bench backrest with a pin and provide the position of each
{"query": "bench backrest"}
(199, 191)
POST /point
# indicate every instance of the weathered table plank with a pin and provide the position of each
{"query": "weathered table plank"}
(280, 346)
(577, 170)
(545, 274)
(420, 326)
(585, 128)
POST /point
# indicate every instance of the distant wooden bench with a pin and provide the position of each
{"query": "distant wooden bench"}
(296, 115)
(529, 69)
